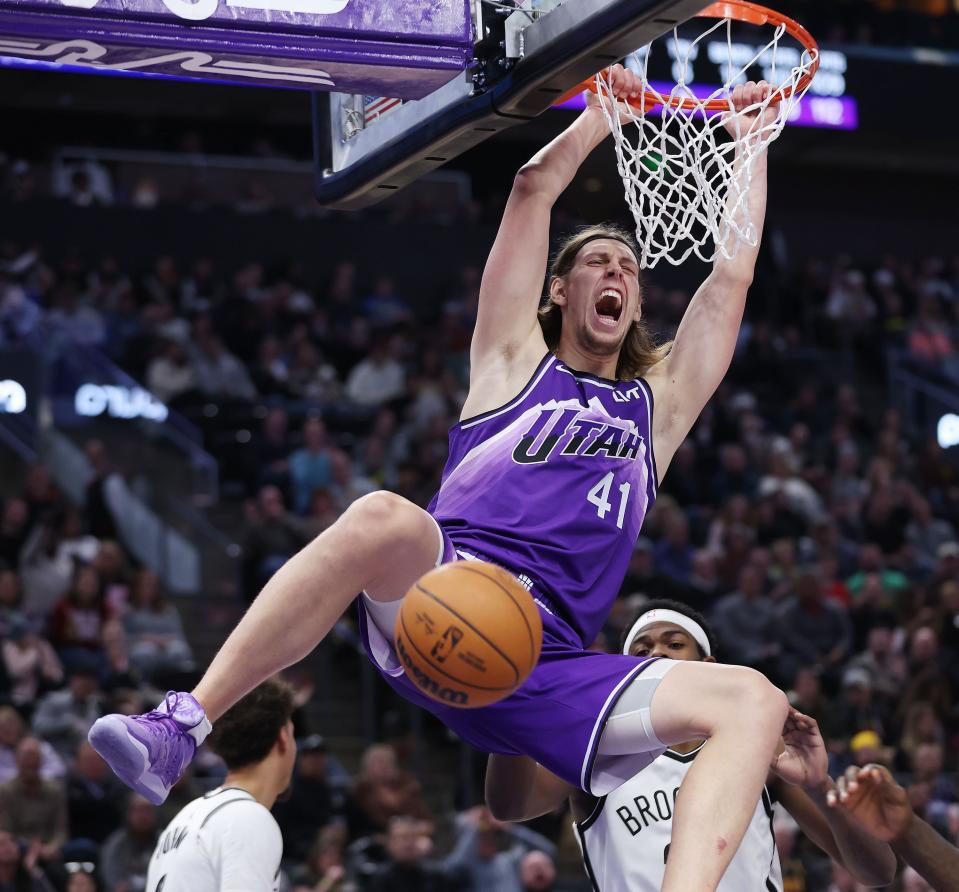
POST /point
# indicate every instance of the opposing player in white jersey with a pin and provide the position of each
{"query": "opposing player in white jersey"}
(625, 836)
(227, 840)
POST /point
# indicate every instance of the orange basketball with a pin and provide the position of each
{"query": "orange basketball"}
(468, 634)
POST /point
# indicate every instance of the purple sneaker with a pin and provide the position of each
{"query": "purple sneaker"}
(149, 752)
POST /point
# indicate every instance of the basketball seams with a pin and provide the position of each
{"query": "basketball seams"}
(434, 668)
(533, 651)
(476, 631)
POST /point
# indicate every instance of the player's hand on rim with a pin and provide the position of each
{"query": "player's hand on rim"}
(749, 111)
(624, 85)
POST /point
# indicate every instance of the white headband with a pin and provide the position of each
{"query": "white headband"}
(694, 629)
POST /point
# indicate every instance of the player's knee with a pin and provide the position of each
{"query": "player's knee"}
(750, 692)
(381, 515)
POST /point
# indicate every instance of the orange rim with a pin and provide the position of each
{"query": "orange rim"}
(738, 11)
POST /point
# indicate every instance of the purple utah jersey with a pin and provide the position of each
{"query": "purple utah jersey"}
(554, 487)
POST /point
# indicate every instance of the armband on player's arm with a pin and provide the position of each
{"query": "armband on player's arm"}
(519, 789)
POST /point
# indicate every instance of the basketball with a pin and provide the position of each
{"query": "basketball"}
(468, 634)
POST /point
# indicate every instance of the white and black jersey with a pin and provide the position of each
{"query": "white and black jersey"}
(625, 840)
(224, 841)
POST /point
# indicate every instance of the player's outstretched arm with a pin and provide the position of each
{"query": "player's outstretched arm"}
(520, 789)
(703, 348)
(512, 283)
(870, 797)
(804, 788)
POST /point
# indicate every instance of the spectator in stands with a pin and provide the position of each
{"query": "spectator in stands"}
(116, 577)
(379, 377)
(271, 449)
(19, 871)
(64, 717)
(154, 631)
(272, 538)
(10, 607)
(12, 730)
(14, 529)
(854, 709)
(93, 797)
(815, 632)
(382, 790)
(32, 808)
(126, 853)
(406, 868)
(477, 854)
(324, 869)
(49, 558)
(30, 662)
(537, 872)
(311, 377)
(322, 513)
(310, 467)
(219, 374)
(927, 678)
(74, 322)
(886, 667)
(747, 624)
(170, 374)
(673, 554)
(928, 341)
(99, 515)
(313, 801)
(78, 620)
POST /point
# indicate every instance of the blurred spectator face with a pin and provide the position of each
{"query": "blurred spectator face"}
(751, 581)
(28, 760)
(271, 503)
(927, 761)
(704, 566)
(880, 641)
(14, 514)
(109, 559)
(141, 816)
(88, 763)
(870, 558)
(276, 424)
(806, 686)
(808, 590)
(402, 840)
(379, 763)
(313, 765)
(146, 589)
(83, 684)
(924, 647)
(314, 434)
(872, 591)
(86, 587)
(949, 596)
(11, 726)
(677, 530)
(856, 689)
(9, 589)
(734, 458)
(342, 468)
(537, 872)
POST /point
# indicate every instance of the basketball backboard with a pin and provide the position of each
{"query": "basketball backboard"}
(367, 147)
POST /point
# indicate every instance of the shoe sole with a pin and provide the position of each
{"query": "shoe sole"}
(127, 757)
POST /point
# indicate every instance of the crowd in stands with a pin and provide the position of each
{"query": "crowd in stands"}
(801, 516)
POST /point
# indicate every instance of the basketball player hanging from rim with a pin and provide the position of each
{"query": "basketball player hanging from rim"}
(571, 420)
(625, 837)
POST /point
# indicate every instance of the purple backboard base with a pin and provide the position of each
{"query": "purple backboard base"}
(237, 41)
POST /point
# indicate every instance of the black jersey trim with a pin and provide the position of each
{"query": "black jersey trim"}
(222, 805)
(524, 392)
(652, 452)
(593, 816)
(684, 757)
(586, 862)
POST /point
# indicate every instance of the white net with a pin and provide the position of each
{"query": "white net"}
(686, 175)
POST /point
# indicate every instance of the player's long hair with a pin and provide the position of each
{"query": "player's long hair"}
(639, 352)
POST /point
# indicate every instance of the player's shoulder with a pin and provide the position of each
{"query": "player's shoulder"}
(235, 809)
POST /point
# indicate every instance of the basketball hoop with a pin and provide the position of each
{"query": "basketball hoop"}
(685, 181)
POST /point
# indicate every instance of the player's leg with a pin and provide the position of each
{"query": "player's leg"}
(742, 716)
(381, 545)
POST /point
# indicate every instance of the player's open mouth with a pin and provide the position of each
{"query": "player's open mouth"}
(609, 307)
